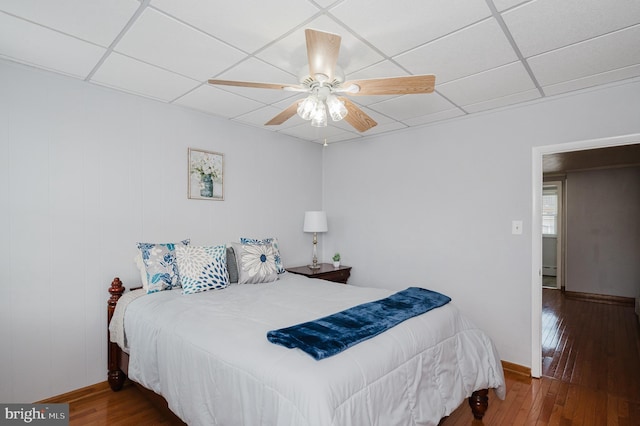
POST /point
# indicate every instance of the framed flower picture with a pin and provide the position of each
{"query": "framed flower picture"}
(206, 172)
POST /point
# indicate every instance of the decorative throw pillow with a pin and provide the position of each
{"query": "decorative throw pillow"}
(232, 265)
(256, 263)
(160, 264)
(202, 268)
(274, 241)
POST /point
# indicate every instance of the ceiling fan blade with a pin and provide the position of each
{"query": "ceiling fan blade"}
(286, 114)
(278, 86)
(413, 84)
(357, 117)
(322, 52)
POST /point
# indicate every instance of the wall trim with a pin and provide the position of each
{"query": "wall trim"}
(518, 369)
(601, 298)
(77, 394)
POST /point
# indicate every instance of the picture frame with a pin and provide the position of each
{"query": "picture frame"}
(205, 175)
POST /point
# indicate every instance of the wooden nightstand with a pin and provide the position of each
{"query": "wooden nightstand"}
(325, 272)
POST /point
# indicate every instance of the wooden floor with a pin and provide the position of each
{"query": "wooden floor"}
(591, 370)
(591, 367)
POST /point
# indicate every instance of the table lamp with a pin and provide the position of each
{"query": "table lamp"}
(315, 221)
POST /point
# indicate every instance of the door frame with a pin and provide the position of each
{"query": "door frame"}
(536, 229)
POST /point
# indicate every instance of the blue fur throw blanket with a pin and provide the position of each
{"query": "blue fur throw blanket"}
(332, 334)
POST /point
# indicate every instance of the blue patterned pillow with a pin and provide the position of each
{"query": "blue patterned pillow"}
(202, 268)
(273, 241)
(159, 261)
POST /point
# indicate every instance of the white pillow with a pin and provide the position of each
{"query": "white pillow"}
(143, 270)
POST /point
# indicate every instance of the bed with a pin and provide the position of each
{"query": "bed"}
(208, 356)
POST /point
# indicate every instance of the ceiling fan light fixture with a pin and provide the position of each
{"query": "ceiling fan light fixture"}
(307, 107)
(319, 118)
(337, 110)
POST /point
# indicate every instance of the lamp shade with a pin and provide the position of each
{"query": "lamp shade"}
(315, 221)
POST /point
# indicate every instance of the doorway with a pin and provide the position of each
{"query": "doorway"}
(536, 229)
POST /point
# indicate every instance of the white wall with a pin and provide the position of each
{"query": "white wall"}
(433, 206)
(603, 232)
(85, 173)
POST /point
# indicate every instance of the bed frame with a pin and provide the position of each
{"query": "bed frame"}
(118, 360)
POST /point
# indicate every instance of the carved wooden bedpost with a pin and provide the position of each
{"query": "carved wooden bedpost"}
(479, 402)
(115, 375)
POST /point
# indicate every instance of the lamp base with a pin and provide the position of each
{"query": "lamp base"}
(317, 266)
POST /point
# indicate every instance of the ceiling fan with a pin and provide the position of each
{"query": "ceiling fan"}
(325, 84)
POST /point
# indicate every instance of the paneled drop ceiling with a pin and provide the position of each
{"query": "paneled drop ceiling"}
(485, 53)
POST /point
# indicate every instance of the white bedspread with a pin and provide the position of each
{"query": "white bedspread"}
(208, 355)
(116, 325)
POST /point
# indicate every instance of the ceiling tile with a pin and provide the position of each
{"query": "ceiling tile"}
(345, 136)
(512, 99)
(167, 43)
(383, 128)
(326, 3)
(209, 99)
(496, 83)
(369, 100)
(46, 48)
(395, 29)
(437, 116)
(593, 80)
(475, 49)
(245, 26)
(384, 68)
(290, 53)
(124, 73)
(543, 25)
(409, 106)
(97, 21)
(506, 4)
(602, 54)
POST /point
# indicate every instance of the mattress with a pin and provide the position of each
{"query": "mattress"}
(207, 354)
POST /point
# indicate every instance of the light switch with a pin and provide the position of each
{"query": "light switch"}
(516, 227)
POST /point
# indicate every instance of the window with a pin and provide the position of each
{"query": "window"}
(550, 211)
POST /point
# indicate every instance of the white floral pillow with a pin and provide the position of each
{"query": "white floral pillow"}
(274, 241)
(160, 267)
(202, 268)
(256, 263)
